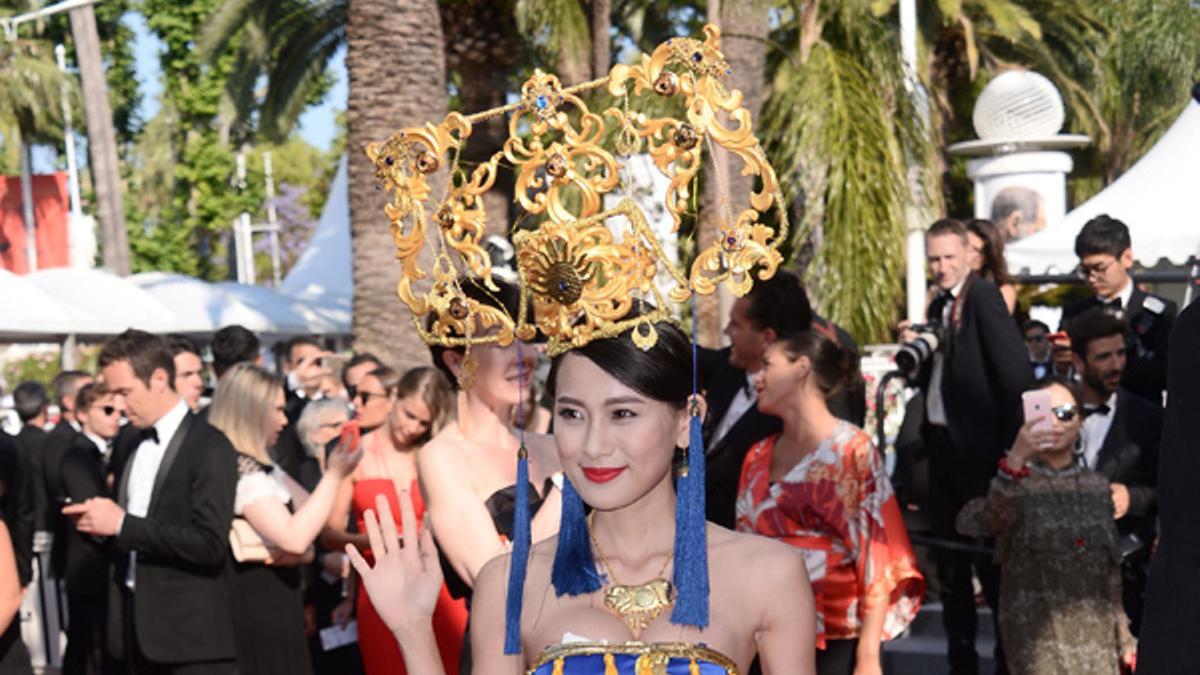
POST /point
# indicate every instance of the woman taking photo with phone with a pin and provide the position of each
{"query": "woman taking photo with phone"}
(820, 486)
(268, 608)
(421, 405)
(1056, 542)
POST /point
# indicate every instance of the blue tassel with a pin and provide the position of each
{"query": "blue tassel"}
(574, 570)
(520, 559)
(691, 540)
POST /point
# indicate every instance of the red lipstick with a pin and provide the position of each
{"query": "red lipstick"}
(602, 475)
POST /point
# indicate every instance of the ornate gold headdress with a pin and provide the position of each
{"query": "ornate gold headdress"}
(582, 267)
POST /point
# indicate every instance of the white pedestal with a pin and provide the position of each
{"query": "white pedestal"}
(1025, 190)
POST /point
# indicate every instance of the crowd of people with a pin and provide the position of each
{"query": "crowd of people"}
(249, 526)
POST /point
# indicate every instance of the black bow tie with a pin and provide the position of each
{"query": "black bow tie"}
(149, 434)
(1102, 409)
(1114, 304)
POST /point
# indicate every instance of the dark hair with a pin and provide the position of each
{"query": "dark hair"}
(836, 368)
(298, 340)
(1093, 325)
(89, 394)
(994, 267)
(358, 359)
(662, 373)
(182, 344)
(780, 303)
(1051, 380)
(945, 226)
(232, 345)
(1034, 323)
(66, 384)
(145, 353)
(30, 400)
(1102, 234)
(507, 299)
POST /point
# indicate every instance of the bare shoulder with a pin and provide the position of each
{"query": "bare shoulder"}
(492, 581)
(441, 451)
(754, 556)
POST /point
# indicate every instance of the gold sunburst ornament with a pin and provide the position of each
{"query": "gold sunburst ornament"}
(581, 266)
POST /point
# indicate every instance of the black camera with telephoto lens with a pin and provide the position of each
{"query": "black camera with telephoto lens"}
(912, 355)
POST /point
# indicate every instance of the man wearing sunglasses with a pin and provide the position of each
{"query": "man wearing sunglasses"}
(82, 560)
(1120, 437)
(1105, 258)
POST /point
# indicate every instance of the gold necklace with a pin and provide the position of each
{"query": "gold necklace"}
(636, 605)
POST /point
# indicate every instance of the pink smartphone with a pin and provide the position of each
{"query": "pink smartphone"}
(1037, 407)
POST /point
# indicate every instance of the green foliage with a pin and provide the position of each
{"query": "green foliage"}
(840, 131)
(40, 367)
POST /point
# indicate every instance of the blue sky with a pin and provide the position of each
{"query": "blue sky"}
(317, 125)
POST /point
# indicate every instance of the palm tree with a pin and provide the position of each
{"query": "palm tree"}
(102, 140)
(31, 90)
(397, 70)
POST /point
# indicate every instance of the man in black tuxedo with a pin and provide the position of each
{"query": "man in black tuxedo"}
(84, 558)
(303, 359)
(1119, 437)
(1105, 258)
(170, 605)
(189, 369)
(1037, 341)
(972, 385)
(1171, 621)
(772, 308)
(31, 402)
(66, 432)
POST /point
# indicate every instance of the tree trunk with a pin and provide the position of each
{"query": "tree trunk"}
(102, 140)
(482, 46)
(397, 78)
(601, 40)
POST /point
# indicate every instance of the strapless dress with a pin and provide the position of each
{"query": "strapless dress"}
(632, 658)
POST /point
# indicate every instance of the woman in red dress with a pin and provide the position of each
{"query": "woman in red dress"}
(820, 486)
(419, 405)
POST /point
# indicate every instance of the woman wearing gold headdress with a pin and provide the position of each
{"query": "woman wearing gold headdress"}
(603, 604)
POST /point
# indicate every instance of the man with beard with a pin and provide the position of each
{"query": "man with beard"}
(1120, 437)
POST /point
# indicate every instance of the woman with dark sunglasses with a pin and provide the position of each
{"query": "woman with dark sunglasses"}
(1056, 542)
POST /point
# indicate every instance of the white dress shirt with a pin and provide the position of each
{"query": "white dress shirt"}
(147, 459)
(935, 406)
(745, 399)
(1095, 430)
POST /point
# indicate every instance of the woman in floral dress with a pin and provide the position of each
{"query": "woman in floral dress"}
(821, 487)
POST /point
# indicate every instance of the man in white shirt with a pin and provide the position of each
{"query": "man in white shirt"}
(170, 609)
(1119, 437)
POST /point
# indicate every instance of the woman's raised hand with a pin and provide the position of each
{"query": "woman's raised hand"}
(405, 581)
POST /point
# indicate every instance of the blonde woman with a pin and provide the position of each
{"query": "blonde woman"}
(422, 403)
(268, 608)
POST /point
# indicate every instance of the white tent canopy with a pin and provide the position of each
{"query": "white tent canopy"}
(324, 272)
(28, 312)
(100, 303)
(1156, 198)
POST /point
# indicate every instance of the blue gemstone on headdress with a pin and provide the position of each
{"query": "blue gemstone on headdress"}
(542, 102)
(563, 286)
(697, 56)
(389, 160)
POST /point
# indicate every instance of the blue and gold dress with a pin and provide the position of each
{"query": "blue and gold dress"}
(632, 658)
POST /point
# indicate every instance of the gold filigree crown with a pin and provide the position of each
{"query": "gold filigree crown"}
(581, 267)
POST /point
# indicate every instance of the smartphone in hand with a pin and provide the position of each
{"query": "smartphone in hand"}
(1037, 409)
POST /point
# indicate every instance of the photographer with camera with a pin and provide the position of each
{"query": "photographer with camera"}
(970, 361)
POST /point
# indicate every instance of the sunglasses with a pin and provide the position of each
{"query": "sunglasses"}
(109, 410)
(1065, 413)
(366, 396)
